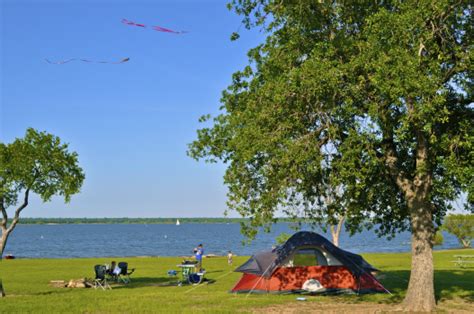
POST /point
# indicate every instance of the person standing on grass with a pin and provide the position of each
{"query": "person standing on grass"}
(229, 258)
(199, 254)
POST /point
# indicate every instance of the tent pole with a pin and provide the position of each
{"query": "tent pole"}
(258, 281)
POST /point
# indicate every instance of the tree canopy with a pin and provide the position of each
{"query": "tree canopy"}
(375, 97)
(462, 226)
(369, 81)
(38, 163)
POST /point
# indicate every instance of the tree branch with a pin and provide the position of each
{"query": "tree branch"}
(4, 215)
(342, 218)
(391, 160)
(18, 211)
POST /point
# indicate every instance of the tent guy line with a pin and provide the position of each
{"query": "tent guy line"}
(156, 28)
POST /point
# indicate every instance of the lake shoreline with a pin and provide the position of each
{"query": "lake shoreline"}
(211, 255)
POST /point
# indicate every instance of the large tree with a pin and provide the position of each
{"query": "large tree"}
(38, 163)
(386, 85)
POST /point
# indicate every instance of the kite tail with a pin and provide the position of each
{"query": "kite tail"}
(87, 61)
(60, 62)
(156, 28)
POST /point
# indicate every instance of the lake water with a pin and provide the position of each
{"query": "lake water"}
(108, 240)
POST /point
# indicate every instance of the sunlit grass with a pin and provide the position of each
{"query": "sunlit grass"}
(26, 284)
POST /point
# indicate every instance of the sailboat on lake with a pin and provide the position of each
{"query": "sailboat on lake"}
(177, 222)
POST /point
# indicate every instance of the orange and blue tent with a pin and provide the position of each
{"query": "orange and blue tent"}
(307, 256)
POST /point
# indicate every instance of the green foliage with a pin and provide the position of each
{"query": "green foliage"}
(374, 97)
(438, 238)
(282, 238)
(234, 36)
(462, 226)
(38, 163)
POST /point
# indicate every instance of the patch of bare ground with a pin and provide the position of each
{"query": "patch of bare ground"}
(451, 306)
(315, 307)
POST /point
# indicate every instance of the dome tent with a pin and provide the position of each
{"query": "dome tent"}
(305, 256)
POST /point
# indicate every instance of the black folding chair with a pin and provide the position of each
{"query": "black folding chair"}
(124, 275)
(196, 278)
(100, 277)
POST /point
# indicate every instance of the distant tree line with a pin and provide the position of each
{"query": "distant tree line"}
(127, 220)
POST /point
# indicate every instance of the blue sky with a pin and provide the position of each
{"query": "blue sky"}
(129, 123)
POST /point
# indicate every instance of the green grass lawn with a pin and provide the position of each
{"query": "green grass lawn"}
(26, 284)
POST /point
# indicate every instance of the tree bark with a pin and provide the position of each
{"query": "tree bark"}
(3, 242)
(3, 227)
(466, 243)
(420, 295)
(6, 231)
(336, 231)
(2, 293)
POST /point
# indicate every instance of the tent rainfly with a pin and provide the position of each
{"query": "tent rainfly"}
(307, 258)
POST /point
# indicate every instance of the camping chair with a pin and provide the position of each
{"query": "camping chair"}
(110, 271)
(124, 275)
(196, 278)
(100, 277)
(111, 276)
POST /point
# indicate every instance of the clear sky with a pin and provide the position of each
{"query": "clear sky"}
(130, 123)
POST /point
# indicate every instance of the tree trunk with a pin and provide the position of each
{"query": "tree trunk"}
(336, 231)
(3, 242)
(466, 243)
(420, 295)
(6, 231)
(2, 247)
(2, 293)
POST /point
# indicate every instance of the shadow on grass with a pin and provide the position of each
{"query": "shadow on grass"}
(141, 282)
(215, 271)
(56, 291)
(449, 284)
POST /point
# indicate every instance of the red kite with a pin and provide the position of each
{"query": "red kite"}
(156, 28)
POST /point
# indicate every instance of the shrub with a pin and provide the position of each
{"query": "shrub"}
(438, 238)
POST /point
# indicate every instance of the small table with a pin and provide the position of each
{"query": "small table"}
(186, 270)
(463, 260)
